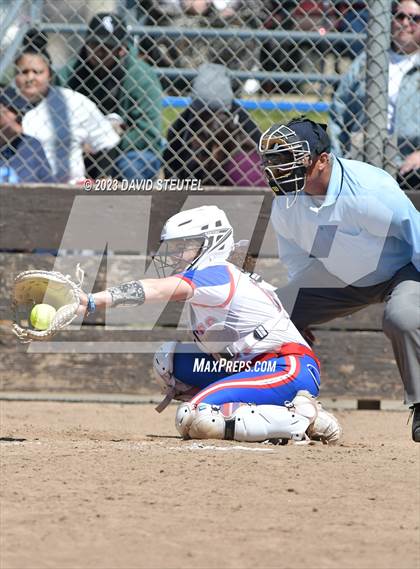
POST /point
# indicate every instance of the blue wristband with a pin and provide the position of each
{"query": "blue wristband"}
(91, 305)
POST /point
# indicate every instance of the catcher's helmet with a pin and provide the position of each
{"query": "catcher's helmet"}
(287, 150)
(205, 229)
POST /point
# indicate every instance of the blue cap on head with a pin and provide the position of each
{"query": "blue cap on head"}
(314, 133)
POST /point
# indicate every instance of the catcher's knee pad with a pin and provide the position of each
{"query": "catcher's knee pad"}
(183, 418)
(163, 368)
(208, 423)
(323, 425)
(257, 423)
(163, 365)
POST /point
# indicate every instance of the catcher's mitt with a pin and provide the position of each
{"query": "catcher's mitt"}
(36, 287)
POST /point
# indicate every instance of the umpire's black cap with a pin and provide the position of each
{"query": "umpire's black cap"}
(314, 133)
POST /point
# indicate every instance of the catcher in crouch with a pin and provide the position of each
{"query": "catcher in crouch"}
(239, 327)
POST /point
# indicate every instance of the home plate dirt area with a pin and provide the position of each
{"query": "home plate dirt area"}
(87, 485)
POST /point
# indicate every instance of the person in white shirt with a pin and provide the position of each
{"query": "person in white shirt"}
(66, 123)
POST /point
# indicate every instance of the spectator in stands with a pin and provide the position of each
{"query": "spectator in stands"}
(292, 55)
(213, 140)
(347, 111)
(125, 88)
(186, 52)
(65, 122)
(22, 158)
(353, 17)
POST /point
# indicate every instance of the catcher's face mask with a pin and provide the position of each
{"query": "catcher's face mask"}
(177, 255)
(285, 159)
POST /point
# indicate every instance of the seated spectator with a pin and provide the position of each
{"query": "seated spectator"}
(293, 55)
(347, 115)
(279, 55)
(243, 169)
(213, 140)
(186, 52)
(353, 18)
(125, 88)
(22, 158)
(65, 122)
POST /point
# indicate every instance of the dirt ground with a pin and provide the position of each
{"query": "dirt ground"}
(112, 486)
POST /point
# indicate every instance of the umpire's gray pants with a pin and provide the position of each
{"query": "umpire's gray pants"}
(316, 296)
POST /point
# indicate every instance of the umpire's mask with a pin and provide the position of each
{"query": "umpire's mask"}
(288, 150)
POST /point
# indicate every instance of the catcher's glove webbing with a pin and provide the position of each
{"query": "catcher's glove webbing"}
(37, 287)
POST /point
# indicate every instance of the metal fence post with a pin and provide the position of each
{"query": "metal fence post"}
(377, 62)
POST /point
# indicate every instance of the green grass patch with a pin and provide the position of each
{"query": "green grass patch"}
(263, 119)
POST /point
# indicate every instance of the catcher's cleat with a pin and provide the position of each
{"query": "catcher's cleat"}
(324, 426)
(415, 409)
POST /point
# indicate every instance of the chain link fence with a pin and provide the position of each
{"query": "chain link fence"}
(146, 89)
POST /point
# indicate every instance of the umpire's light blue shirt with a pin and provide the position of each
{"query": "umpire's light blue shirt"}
(363, 230)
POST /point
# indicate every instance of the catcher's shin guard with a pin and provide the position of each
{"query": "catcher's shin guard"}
(323, 425)
(208, 423)
(257, 423)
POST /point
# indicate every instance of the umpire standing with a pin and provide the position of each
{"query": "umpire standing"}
(349, 237)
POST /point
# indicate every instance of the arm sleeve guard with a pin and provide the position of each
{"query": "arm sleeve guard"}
(127, 294)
